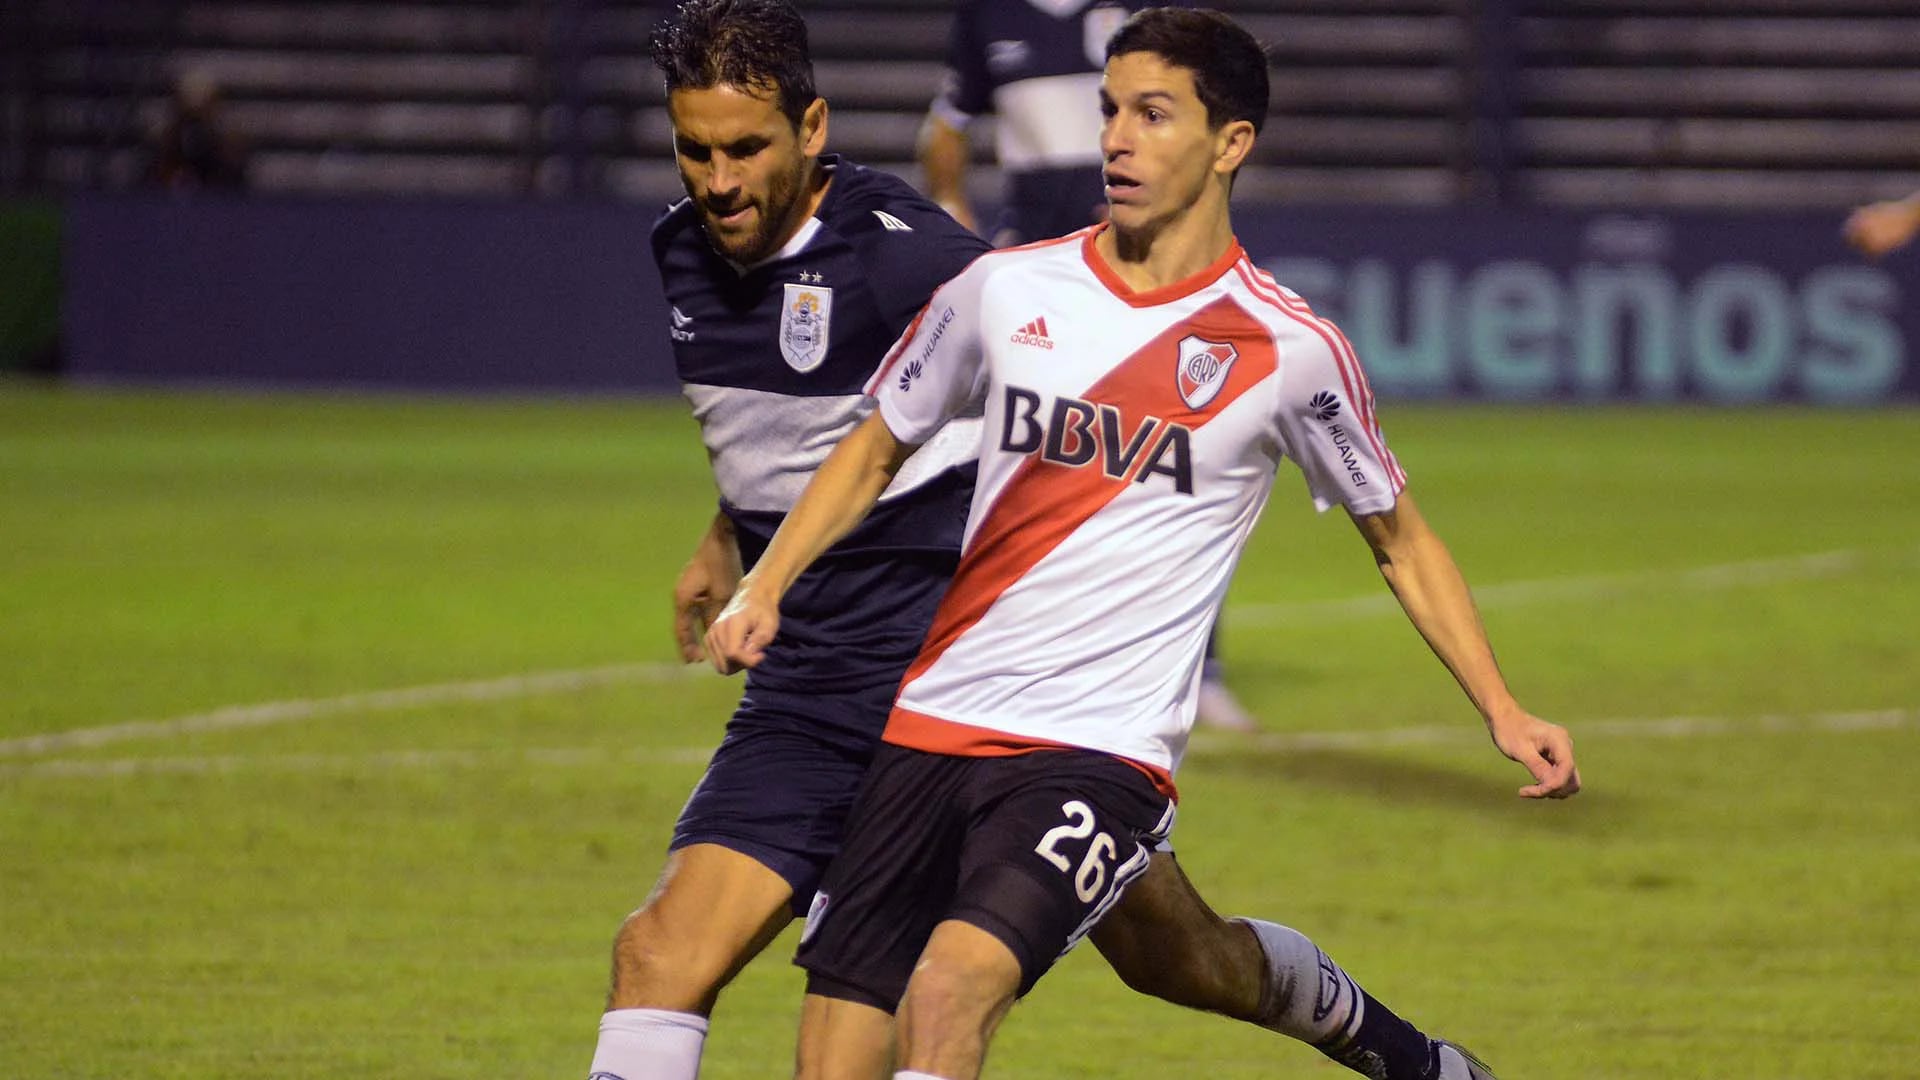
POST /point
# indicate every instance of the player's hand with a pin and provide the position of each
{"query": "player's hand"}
(1880, 227)
(1547, 752)
(739, 638)
(705, 586)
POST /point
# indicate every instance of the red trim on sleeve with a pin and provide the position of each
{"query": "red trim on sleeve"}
(1349, 367)
(1351, 358)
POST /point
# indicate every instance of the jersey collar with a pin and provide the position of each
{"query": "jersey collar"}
(1165, 294)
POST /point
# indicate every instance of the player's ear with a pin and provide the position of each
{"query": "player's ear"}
(1232, 145)
(813, 128)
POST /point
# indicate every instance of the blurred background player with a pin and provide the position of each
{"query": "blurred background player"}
(1035, 66)
(1878, 228)
(194, 148)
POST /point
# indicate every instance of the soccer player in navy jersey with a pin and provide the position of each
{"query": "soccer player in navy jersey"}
(789, 272)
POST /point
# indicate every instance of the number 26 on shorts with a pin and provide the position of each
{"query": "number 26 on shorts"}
(1091, 876)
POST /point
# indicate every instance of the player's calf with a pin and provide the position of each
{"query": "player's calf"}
(960, 991)
(1164, 940)
(842, 1039)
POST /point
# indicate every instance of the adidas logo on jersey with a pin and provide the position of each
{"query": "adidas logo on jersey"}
(1034, 334)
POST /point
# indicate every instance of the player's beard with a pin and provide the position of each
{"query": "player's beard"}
(768, 233)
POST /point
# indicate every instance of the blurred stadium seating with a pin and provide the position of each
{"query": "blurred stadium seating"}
(1765, 103)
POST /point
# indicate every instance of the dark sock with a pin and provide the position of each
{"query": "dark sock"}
(1385, 1047)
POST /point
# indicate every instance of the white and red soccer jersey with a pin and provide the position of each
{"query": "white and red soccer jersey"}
(1130, 443)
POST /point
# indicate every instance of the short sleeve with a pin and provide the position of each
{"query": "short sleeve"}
(1327, 424)
(937, 368)
(966, 89)
(910, 249)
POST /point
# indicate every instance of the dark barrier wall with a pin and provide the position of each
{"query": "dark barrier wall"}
(1728, 308)
(501, 296)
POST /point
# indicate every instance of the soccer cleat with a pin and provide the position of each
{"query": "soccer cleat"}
(1458, 1063)
(1219, 709)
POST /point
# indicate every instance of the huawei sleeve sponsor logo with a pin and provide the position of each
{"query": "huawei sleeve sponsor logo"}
(1324, 405)
(909, 373)
(918, 366)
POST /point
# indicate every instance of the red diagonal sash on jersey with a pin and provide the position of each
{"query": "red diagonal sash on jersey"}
(1044, 502)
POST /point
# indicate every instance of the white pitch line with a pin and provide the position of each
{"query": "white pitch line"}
(1724, 575)
(286, 712)
(1517, 593)
(386, 760)
(1204, 744)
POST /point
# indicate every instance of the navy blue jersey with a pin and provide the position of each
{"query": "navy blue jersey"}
(773, 358)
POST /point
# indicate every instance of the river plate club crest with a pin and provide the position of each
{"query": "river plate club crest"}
(1203, 369)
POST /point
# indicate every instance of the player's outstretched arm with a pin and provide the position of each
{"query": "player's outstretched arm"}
(838, 497)
(705, 585)
(1878, 228)
(1423, 577)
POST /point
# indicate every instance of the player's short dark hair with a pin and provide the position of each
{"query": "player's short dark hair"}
(753, 44)
(1229, 66)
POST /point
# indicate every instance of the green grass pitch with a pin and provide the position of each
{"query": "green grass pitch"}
(1724, 606)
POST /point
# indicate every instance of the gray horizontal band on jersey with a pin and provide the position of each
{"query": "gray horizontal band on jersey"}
(765, 446)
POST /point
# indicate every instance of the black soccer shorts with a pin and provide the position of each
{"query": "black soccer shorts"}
(1032, 849)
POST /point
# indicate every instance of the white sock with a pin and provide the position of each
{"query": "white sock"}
(1309, 997)
(905, 1074)
(648, 1044)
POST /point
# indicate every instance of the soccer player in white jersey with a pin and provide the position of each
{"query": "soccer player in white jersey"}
(1035, 65)
(1142, 382)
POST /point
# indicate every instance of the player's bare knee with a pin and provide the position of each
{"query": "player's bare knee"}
(654, 968)
(957, 992)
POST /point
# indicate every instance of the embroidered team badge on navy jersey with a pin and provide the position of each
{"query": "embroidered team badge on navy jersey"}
(804, 319)
(1203, 369)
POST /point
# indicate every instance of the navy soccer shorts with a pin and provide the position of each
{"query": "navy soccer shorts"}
(1032, 849)
(780, 786)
